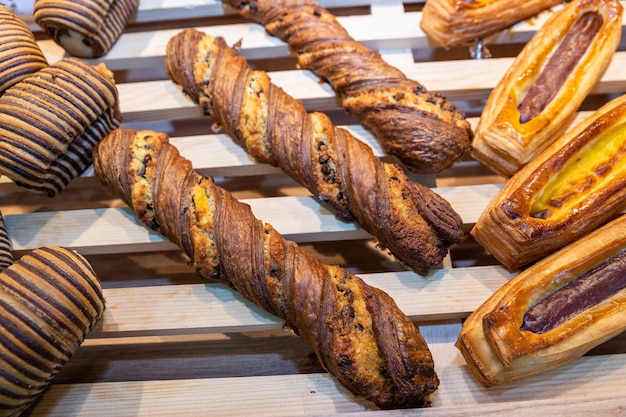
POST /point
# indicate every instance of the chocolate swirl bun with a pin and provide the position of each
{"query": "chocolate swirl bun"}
(20, 56)
(51, 120)
(84, 28)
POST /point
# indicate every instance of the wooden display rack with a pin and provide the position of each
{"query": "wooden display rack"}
(171, 344)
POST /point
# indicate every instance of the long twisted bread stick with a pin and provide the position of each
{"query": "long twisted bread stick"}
(407, 218)
(357, 331)
(422, 128)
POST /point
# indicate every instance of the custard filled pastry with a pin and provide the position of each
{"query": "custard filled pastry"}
(574, 186)
(457, 22)
(553, 312)
(537, 98)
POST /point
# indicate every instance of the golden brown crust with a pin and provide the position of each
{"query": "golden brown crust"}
(84, 28)
(407, 218)
(568, 190)
(511, 132)
(457, 22)
(428, 133)
(498, 344)
(50, 122)
(357, 331)
(20, 56)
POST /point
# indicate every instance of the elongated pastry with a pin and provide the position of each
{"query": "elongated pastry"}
(421, 128)
(538, 96)
(458, 22)
(407, 218)
(571, 188)
(51, 120)
(50, 299)
(553, 312)
(85, 28)
(20, 56)
(356, 330)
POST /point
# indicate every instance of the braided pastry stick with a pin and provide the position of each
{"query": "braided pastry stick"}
(51, 121)
(421, 128)
(357, 331)
(85, 28)
(50, 299)
(407, 218)
(20, 56)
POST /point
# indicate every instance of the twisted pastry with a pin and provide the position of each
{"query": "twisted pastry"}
(50, 299)
(357, 331)
(409, 219)
(20, 56)
(84, 28)
(51, 120)
(421, 128)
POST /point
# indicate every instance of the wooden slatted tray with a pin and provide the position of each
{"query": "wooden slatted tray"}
(170, 344)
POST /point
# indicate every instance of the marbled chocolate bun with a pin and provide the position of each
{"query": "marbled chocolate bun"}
(51, 121)
(50, 299)
(84, 28)
(6, 250)
(20, 56)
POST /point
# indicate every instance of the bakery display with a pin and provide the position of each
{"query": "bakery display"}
(84, 28)
(537, 98)
(20, 56)
(407, 218)
(458, 22)
(51, 120)
(50, 299)
(571, 188)
(421, 128)
(357, 332)
(551, 313)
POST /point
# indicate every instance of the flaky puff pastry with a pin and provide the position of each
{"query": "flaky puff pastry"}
(553, 312)
(538, 96)
(457, 22)
(574, 186)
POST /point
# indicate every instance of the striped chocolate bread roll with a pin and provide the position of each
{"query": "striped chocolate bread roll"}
(51, 121)
(20, 56)
(50, 299)
(84, 28)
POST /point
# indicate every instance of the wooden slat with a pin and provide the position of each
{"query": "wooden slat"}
(151, 323)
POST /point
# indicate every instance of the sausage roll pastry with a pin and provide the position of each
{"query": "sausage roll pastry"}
(553, 312)
(571, 188)
(85, 28)
(457, 22)
(357, 331)
(20, 56)
(538, 96)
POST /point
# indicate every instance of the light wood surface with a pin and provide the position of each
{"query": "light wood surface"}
(171, 344)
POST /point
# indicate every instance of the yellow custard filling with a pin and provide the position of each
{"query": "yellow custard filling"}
(591, 169)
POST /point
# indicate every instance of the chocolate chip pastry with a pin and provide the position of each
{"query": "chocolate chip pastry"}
(421, 128)
(535, 101)
(20, 56)
(51, 120)
(84, 28)
(553, 312)
(50, 299)
(571, 188)
(357, 331)
(407, 218)
(459, 22)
